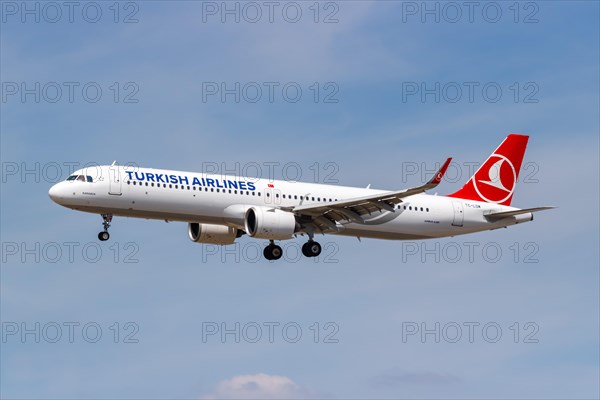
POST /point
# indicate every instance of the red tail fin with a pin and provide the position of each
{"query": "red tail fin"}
(495, 180)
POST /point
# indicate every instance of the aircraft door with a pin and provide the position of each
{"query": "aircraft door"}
(272, 196)
(114, 180)
(267, 196)
(459, 214)
(277, 198)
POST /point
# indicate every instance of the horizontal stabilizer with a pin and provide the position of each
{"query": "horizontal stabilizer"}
(506, 214)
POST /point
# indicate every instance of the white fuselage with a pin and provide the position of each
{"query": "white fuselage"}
(223, 200)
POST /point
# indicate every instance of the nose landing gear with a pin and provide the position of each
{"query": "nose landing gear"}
(106, 220)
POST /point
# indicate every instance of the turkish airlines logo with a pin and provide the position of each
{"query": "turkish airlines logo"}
(495, 181)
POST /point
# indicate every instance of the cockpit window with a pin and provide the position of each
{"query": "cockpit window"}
(82, 178)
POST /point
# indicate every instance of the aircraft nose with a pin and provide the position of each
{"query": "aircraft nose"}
(55, 193)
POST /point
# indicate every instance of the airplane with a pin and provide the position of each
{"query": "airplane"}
(219, 209)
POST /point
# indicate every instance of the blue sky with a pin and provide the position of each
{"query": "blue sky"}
(545, 60)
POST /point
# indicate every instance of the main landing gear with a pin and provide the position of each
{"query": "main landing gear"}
(106, 220)
(272, 251)
(309, 249)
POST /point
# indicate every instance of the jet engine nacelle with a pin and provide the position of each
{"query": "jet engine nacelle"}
(215, 234)
(270, 223)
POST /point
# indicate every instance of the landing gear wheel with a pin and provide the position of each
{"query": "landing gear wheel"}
(311, 249)
(267, 253)
(272, 252)
(106, 220)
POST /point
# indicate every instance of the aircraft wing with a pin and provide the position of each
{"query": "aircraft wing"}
(326, 215)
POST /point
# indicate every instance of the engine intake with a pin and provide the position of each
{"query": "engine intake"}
(270, 223)
(214, 234)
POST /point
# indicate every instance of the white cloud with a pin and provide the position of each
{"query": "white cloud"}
(258, 386)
